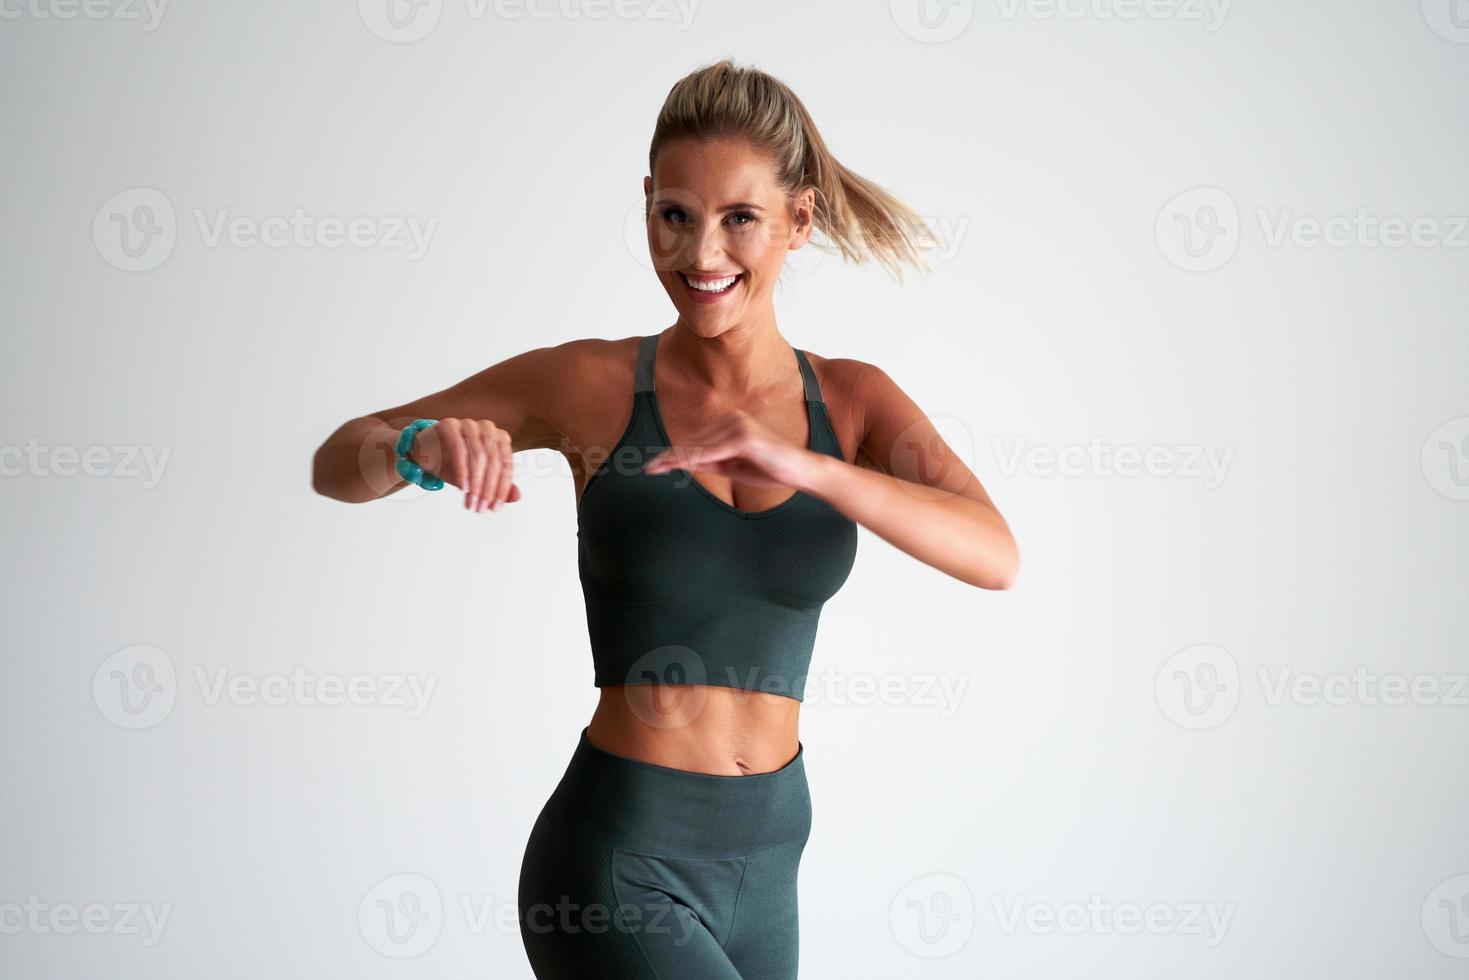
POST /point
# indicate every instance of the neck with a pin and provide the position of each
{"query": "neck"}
(745, 357)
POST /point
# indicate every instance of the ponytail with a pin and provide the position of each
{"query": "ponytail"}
(859, 219)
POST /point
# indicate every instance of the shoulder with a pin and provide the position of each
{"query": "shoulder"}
(857, 390)
(583, 364)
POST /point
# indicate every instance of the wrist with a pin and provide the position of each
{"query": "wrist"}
(406, 467)
(822, 475)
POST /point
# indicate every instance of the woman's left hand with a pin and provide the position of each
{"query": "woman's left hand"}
(739, 446)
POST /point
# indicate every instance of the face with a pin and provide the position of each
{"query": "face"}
(719, 229)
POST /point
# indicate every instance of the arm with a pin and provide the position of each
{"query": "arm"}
(907, 486)
(910, 489)
(498, 411)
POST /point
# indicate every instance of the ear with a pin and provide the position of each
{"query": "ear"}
(647, 186)
(803, 209)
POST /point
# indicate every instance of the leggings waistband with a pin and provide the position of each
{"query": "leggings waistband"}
(677, 812)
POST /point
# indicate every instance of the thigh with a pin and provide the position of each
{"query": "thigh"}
(764, 943)
(588, 909)
(680, 910)
(559, 898)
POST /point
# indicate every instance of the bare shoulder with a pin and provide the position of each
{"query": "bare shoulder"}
(887, 429)
(541, 396)
(585, 388)
(586, 358)
(566, 373)
(858, 392)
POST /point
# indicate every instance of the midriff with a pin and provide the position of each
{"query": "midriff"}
(721, 731)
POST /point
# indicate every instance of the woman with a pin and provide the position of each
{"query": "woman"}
(723, 516)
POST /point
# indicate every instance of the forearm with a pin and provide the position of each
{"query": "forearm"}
(357, 462)
(958, 535)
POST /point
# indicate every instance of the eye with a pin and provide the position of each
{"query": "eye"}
(749, 218)
(673, 214)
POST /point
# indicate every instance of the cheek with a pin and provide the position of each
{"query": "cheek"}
(665, 246)
(762, 251)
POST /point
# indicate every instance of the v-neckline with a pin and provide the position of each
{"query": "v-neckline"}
(668, 443)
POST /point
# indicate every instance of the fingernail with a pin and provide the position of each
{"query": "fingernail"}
(469, 501)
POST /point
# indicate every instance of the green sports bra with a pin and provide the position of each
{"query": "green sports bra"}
(683, 588)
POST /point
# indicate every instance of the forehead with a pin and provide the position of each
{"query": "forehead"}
(716, 171)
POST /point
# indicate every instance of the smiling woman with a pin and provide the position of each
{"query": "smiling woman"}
(710, 536)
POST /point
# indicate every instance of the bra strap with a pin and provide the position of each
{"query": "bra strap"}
(813, 390)
(643, 379)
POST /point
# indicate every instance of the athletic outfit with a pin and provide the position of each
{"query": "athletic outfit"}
(636, 871)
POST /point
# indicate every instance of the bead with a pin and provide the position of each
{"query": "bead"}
(405, 441)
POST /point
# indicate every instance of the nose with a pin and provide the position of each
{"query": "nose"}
(706, 248)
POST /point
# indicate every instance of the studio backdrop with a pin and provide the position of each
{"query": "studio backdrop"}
(1196, 318)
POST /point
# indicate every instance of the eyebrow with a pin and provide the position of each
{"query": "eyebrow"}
(737, 206)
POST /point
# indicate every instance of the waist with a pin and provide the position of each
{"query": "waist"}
(668, 811)
(698, 728)
(749, 650)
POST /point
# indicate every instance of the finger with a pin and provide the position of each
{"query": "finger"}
(484, 473)
(722, 431)
(507, 469)
(495, 490)
(485, 492)
(479, 463)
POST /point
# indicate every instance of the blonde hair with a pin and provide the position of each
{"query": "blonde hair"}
(855, 215)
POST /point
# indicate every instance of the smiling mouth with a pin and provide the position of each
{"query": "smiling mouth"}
(712, 286)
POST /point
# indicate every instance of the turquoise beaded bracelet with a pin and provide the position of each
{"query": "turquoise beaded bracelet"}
(407, 468)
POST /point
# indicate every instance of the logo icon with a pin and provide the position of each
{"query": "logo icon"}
(1198, 230)
(401, 916)
(933, 916)
(135, 230)
(401, 21)
(1446, 917)
(1198, 687)
(932, 21)
(1448, 18)
(918, 450)
(1446, 459)
(658, 690)
(135, 687)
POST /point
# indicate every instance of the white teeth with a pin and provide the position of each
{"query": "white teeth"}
(712, 285)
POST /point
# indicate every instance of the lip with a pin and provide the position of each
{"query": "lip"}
(699, 296)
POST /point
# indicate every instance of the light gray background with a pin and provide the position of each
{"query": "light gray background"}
(1081, 761)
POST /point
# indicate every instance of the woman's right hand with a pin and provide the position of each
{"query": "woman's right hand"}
(474, 455)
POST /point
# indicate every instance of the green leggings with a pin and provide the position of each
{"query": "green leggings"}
(636, 871)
